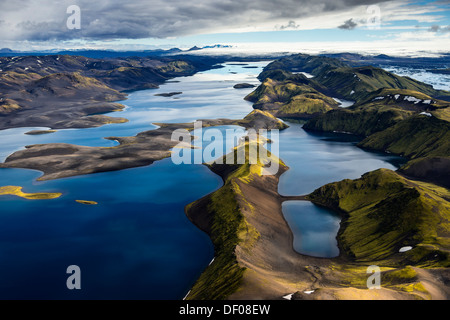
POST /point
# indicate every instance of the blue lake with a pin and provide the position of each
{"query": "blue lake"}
(310, 237)
(315, 159)
(137, 242)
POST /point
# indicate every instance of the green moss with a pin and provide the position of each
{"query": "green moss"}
(305, 104)
(361, 122)
(403, 275)
(17, 191)
(419, 136)
(259, 119)
(291, 97)
(383, 211)
(442, 113)
(8, 105)
(302, 62)
(222, 277)
(416, 289)
(352, 275)
(87, 202)
(356, 83)
(374, 114)
(228, 228)
(177, 66)
(111, 120)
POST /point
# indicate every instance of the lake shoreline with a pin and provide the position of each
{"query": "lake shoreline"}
(266, 265)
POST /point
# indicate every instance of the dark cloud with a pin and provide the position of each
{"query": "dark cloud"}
(290, 26)
(436, 28)
(348, 25)
(134, 19)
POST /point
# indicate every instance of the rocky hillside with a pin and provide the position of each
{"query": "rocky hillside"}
(356, 83)
(303, 63)
(61, 91)
(380, 110)
(291, 96)
(418, 136)
(287, 93)
(391, 113)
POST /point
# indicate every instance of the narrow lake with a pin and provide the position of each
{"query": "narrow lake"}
(316, 159)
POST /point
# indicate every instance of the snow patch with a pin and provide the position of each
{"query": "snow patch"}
(396, 96)
(426, 114)
(344, 103)
(352, 92)
(412, 99)
(309, 291)
(404, 249)
(378, 98)
(306, 74)
(288, 296)
(186, 295)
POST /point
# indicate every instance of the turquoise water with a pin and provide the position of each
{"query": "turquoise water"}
(137, 243)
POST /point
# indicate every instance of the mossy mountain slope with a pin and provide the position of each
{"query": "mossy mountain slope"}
(303, 62)
(259, 119)
(296, 96)
(72, 85)
(220, 214)
(380, 110)
(356, 83)
(293, 97)
(418, 136)
(383, 211)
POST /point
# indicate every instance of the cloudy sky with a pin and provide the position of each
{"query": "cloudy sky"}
(146, 24)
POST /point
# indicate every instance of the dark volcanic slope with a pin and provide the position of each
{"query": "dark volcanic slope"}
(302, 62)
(64, 91)
(58, 160)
